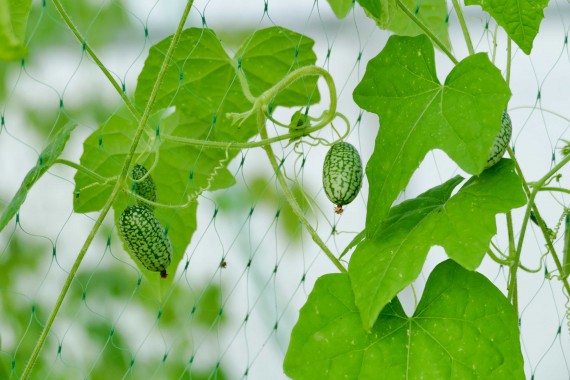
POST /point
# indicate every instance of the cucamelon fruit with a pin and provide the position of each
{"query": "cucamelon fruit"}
(143, 187)
(145, 238)
(342, 174)
(501, 141)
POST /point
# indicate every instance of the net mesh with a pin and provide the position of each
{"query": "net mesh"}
(250, 265)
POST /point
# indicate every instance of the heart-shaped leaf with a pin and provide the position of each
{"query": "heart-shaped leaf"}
(417, 114)
(463, 328)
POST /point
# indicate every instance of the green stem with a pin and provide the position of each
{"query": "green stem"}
(96, 59)
(507, 262)
(291, 198)
(427, 31)
(559, 189)
(496, 258)
(83, 169)
(512, 292)
(464, 28)
(261, 102)
(510, 229)
(508, 75)
(532, 206)
(110, 200)
(244, 84)
(238, 145)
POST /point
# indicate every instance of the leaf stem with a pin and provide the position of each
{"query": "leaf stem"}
(510, 230)
(532, 206)
(140, 129)
(496, 258)
(238, 145)
(82, 168)
(559, 189)
(427, 31)
(464, 28)
(96, 59)
(291, 198)
(264, 99)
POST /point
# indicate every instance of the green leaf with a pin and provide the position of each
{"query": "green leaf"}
(520, 19)
(269, 55)
(461, 117)
(45, 161)
(432, 13)
(202, 78)
(340, 7)
(13, 21)
(463, 328)
(463, 225)
(199, 77)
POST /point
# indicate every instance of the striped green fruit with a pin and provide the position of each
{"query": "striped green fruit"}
(143, 187)
(501, 141)
(145, 238)
(342, 174)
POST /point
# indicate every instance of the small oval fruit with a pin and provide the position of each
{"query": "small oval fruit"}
(342, 174)
(145, 238)
(146, 187)
(501, 141)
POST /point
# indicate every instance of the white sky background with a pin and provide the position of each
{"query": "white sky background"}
(535, 136)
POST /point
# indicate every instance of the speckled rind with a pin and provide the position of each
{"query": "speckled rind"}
(501, 141)
(342, 173)
(145, 238)
(145, 188)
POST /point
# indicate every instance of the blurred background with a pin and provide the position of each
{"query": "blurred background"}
(233, 321)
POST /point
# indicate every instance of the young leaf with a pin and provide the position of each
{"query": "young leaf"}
(462, 116)
(45, 161)
(340, 7)
(269, 55)
(463, 225)
(463, 328)
(388, 15)
(13, 21)
(520, 19)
